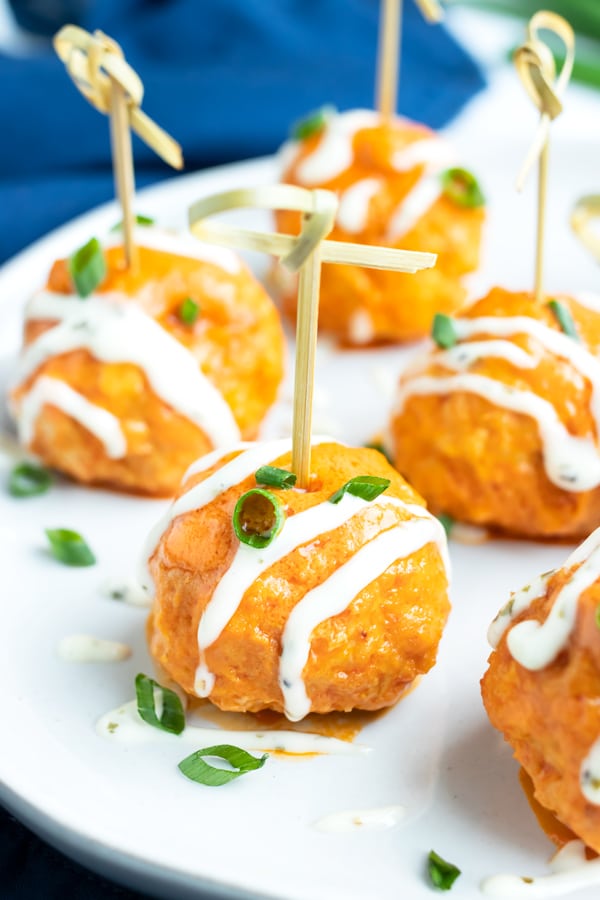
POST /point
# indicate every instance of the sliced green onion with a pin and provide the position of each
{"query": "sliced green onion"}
(28, 480)
(377, 445)
(189, 311)
(172, 717)
(447, 521)
(69, 547)
(312, 123)
(87, 267)
(443, 331)
(145, 221)
(443, 874)
(258, 518)
(367, 487)
(461, 187)
(275, 477)
(563, 316)
(597, 616)
(194, 767)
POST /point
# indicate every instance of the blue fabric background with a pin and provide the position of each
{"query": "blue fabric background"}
(226, 78)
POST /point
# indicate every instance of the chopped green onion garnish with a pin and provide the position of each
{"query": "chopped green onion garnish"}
(377, 445)
(28, 480)
(275, 477)
(447, 521)
(563, 316)
(312, 123)
(367, 487)
(69, 547)
(87, 267)
(443, 331)
(172, 717)
(597, 617)
(443, 874)
(189, 311)
(461, 187)
(194, 767)
(139, 220)
(258, 518)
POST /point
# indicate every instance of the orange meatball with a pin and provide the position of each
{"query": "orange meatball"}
(501, 429)
(550, 714)
(151, 420)
(387, 176)
(344, 609)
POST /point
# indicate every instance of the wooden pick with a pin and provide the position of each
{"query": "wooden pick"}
(99, 70)
(536, 69)
(389, 50)
(304, 253)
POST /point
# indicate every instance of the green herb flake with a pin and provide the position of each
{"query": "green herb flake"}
(313, 123)
(462, 188)
(87, 267)
(189, 311)
(443, 874)
(194, 767)
(172, 716)
(29, 480)
(448, 523)
(69, 547)
(563, 316)
(144, 221)
(258, 518)
(274, 477)
(367, 487)
(443, 331)
(112, 727)
(597, 616)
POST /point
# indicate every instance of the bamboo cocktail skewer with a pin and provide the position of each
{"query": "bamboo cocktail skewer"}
(389, 52)
(303, 253)
(99, 70)
(536, 69)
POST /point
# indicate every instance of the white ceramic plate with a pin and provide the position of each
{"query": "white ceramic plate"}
(126, 811)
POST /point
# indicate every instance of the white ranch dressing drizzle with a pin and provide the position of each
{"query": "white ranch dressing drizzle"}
(413, 207)
(582, 360)
(462, 356)
(570, 871)
(114, 331)
(334, 152)
(253, 456)
(353, 209)
(361, 329)
(572, 463)
(84, 648)
(248, 564)
(180, 244)
(124, 725)
(353, 820)
(333, 596)
(535, 644)
(431, 151)
(53, 392)
(519, 600)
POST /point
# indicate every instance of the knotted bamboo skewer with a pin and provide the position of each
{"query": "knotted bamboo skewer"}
(303, 253)
(99, 70)
(536, 69)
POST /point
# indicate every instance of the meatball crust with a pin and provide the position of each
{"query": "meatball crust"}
(481, 463)
(365, 306)
(551, 717)
(364, 658)
(237, 341)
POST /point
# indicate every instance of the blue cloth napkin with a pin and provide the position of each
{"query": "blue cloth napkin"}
(224, 77)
